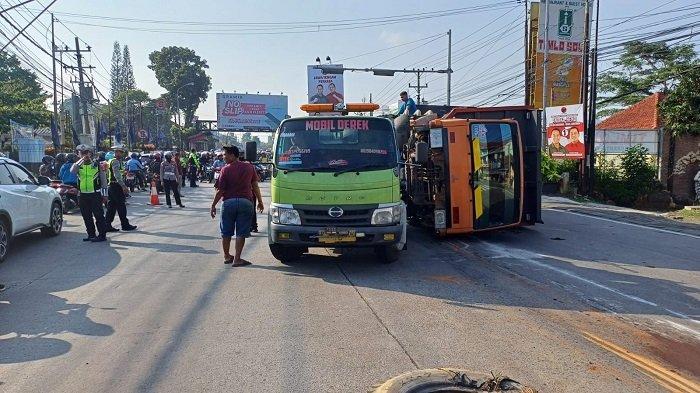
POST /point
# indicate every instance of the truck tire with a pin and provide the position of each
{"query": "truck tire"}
(287, 254)
(388, 254)
(448, 379)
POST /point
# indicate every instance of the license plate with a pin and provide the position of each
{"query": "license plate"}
(333, 235)
(129, 177)
(216, 175)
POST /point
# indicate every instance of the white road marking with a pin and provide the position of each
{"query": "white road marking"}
(624, 223)
(530, 257)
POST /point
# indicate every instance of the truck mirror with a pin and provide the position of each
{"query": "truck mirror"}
(422, 150)
(251, 151)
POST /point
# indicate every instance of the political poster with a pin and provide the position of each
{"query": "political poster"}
(250, 112)
(567, 26)
(325, 88)
(565, 133)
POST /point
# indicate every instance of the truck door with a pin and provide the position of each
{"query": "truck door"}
(496, 176)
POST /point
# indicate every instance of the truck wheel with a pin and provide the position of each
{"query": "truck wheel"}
(387, 254)
(287, 254)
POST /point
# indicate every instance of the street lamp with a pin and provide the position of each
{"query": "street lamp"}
(177, 100)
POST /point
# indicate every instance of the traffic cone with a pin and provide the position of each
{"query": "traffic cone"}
(154, 194)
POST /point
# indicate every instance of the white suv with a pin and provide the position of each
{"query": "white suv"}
(26, 204)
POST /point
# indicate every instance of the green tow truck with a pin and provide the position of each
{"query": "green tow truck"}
(335, 183)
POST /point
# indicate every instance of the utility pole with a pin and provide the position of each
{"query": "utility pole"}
(55, 95)
(418, 86)
(545, 65)
(593, 108)
(449, 67)
(83, 99)
(126, 119)
(528, 64)
(584, 165)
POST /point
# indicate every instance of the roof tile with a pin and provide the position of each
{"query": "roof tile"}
(643, 115)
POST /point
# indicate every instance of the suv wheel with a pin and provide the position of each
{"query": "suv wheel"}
(55, 222)
(4, 239)
(287, 254)
(388, 254)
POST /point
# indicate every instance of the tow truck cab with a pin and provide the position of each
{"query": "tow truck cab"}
(335, 184)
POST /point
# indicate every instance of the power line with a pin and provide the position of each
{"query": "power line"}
(25, 27)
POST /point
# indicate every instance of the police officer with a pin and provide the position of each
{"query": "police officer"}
(93, 188)
(117, 191)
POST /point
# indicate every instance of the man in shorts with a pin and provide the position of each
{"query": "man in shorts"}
(237, 185)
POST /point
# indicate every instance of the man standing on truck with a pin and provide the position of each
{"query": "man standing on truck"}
(407, 104)
(237, 185)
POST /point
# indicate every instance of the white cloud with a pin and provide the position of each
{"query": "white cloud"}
(393, 37)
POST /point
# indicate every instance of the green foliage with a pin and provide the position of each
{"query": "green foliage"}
(548, 168)
(625, 183)
(645, 67)
(177, 66)
(116, 72)
(21, 96)
(552, 169)
(681, 108)
(127, 79)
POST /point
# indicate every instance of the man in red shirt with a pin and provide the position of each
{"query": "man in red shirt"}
(237, 185)
(575, 147)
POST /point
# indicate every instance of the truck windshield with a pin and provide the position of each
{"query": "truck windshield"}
(334, 144)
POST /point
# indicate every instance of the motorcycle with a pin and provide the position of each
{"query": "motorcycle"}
(69, 195)
(130, 180)
(263, 172)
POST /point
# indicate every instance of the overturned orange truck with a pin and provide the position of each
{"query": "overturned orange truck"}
(473, 169)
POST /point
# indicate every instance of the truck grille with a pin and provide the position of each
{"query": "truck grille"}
(357, 215)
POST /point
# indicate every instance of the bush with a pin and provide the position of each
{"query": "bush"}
(548, 168)
(625, 184)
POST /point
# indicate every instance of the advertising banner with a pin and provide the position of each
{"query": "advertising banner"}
(250, 112)
(567, 20)
(565, 132)
(325, 88)
(564, 70)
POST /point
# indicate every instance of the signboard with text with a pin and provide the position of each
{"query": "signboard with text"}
(565, 133)
(250, 112)
(325, 88)
(567, 20)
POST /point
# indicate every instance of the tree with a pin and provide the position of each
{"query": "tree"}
(116, 72)
(21, 96)
(128, 81)
(681, 108)
(646, 67)
(177, 66)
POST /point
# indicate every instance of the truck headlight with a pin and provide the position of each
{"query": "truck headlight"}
(285, 216)
(386, 215)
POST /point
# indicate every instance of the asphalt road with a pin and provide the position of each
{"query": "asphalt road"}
(578, 304)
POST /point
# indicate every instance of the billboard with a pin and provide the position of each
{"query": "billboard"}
(564, 70)
(567, 20)
(565, 132)
(250, 112)
(325, 88)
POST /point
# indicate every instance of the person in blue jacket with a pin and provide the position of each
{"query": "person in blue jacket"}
(67, 177)
(135, 166)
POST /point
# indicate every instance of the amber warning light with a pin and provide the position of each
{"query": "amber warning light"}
(360, 107)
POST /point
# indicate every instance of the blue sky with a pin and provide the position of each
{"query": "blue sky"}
(277, 62)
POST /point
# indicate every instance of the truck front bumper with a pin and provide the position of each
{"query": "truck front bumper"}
(366, 236)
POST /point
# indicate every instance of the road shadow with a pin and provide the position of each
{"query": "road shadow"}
(165, 247)
(30, 310)
(471, 278)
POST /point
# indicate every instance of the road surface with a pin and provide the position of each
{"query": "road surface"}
(577, 304)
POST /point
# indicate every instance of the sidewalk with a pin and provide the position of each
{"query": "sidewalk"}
(638, 217)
